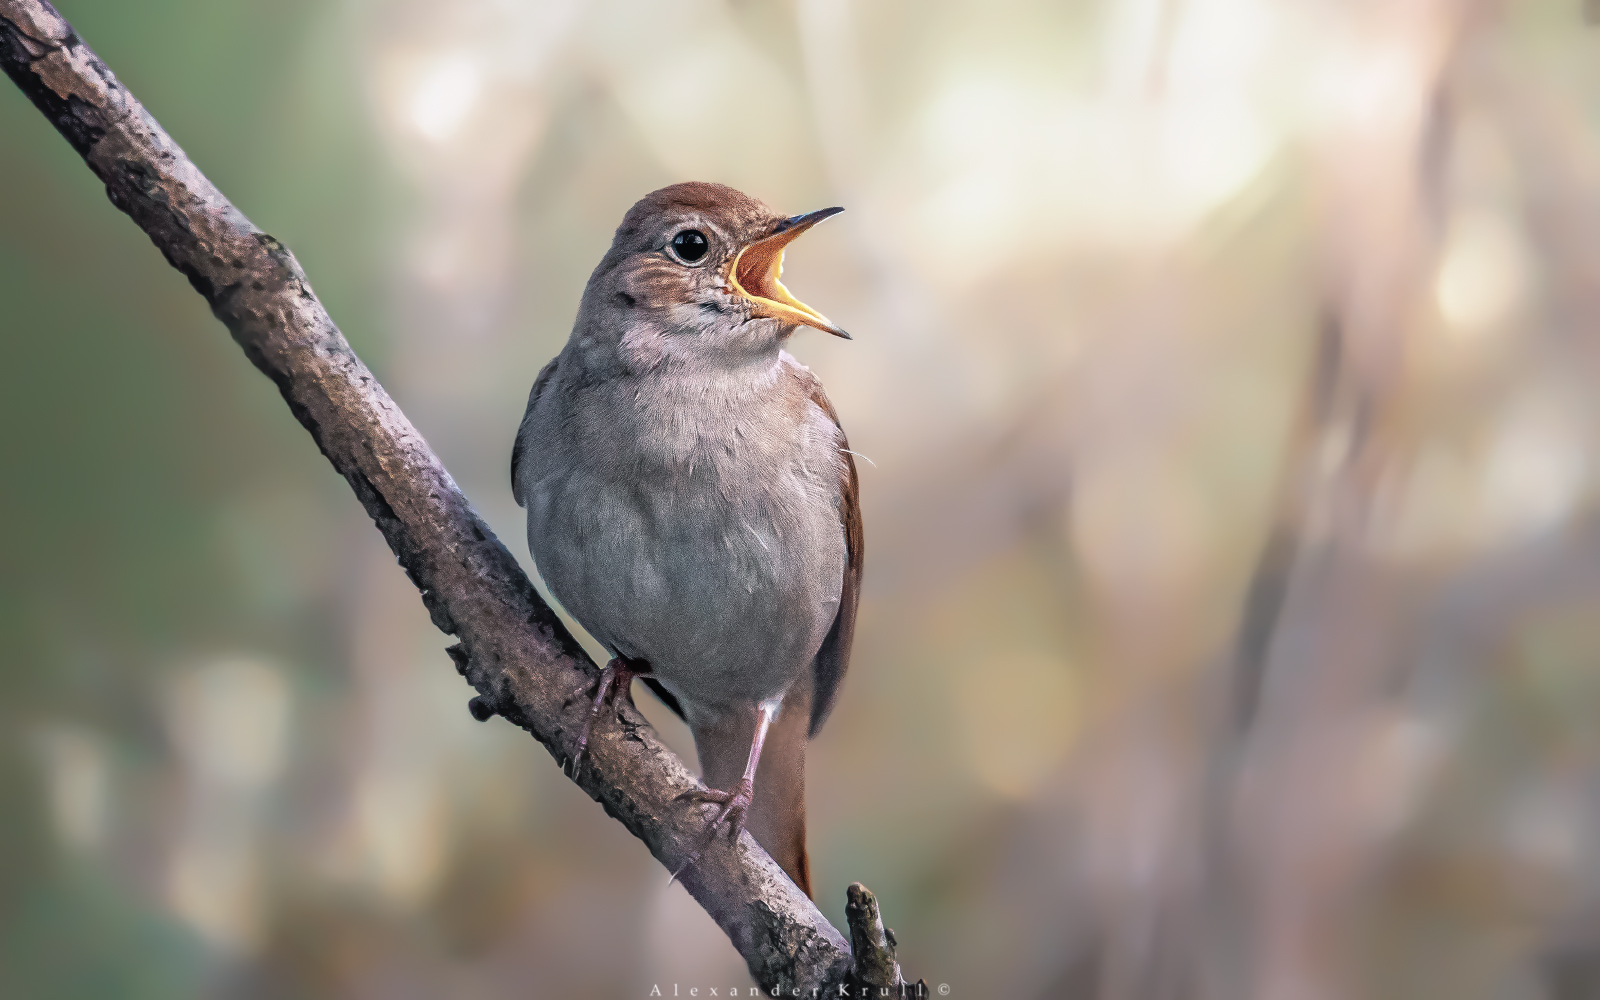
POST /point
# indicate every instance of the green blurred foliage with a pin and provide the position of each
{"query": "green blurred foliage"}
(1225, 369)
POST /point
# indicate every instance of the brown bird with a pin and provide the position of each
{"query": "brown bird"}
(692, 499)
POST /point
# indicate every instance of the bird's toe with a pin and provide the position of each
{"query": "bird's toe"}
(735, 808)
(615, 678)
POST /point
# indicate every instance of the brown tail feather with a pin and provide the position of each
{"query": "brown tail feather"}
(777, 817)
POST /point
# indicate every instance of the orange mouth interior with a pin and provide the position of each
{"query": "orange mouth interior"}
(755, 275)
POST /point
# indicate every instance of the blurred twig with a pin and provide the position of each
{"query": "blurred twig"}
(524, 664)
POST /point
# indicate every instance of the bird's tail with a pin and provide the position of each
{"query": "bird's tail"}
(777, 817)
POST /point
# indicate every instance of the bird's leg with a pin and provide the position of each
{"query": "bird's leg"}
(616, 678)
(736, 803)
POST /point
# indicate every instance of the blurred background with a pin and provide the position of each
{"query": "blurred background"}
(1232, 612)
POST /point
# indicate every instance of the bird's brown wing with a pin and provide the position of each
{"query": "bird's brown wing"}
(833, 659)
(539, 383)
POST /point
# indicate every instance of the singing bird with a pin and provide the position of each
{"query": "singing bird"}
(692, 500)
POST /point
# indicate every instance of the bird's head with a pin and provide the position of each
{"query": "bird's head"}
(695, 267)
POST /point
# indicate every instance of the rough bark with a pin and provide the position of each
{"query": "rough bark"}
(513, 650)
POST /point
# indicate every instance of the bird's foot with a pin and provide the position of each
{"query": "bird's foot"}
(735, 807)
(735, 804)
(616, 678)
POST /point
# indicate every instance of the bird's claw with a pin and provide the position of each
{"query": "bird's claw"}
(616, 676)
(703, 795)
(735, 808)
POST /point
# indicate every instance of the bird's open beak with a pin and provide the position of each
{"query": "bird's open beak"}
(755, 271)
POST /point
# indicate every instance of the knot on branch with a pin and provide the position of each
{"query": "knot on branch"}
(482, 708)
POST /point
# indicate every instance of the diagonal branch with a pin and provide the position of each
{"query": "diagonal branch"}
(513, 650)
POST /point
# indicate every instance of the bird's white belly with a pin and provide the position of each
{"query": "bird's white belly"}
(726, 596)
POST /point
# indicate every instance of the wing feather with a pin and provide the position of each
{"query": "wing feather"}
(539, 383)
(833, 658)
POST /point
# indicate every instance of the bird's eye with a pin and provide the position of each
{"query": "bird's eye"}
(690, 245)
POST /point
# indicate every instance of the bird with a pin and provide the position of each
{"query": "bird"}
(692, 499)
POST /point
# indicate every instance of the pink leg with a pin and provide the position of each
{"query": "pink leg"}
(615, 679)
(736, 803)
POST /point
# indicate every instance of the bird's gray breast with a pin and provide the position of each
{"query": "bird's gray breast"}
(691, 519)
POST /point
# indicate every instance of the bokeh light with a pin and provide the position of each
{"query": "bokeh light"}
(1232, 608)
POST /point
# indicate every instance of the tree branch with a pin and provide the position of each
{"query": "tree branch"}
(513, 650)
